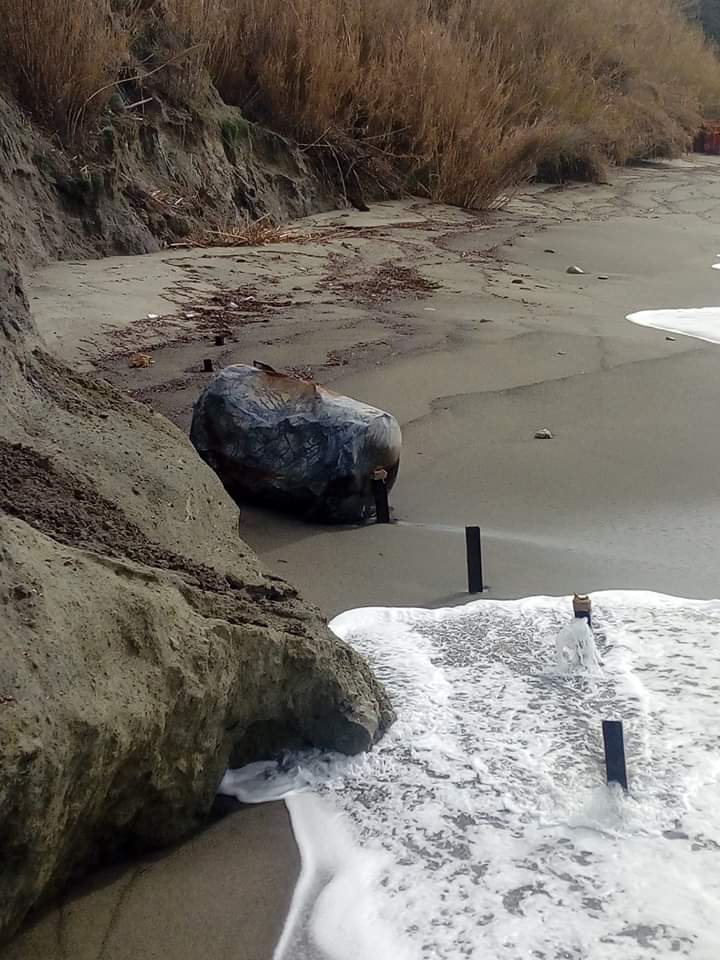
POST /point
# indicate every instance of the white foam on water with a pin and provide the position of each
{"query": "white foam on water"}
(575, 647)
(481, 825)
(703, 323)
(338, 911)
(261, 782)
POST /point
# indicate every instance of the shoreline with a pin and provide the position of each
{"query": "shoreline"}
(507, 343)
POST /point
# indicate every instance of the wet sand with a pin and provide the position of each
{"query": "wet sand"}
(224, 893)
(496, 342)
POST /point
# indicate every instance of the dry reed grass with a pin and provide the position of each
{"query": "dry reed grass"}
(460, 98)
(467, 96)
(247, 233)
(59, 56)
(197, 27)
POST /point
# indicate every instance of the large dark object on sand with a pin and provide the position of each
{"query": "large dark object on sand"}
(293, 444)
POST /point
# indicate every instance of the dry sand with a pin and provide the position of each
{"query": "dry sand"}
(471, 331)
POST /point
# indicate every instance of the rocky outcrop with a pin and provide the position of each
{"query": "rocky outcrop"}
(142, 646)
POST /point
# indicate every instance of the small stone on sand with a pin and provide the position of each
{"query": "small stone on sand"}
(544, 434)
(603, 276)
(574, 269)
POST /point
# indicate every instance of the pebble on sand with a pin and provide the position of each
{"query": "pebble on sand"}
(544, 434)
(574, 269)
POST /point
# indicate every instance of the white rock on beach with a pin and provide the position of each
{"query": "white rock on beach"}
(574, 269)
(544, 434)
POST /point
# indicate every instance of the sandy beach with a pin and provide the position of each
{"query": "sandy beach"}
(472, 332)
(481, 341)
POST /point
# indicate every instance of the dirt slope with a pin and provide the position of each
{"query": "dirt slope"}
(145, 180)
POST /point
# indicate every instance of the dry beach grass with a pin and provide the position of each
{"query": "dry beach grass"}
(460, 99)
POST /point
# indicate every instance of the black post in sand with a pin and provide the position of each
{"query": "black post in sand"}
(380, 492)
(220, 340)
(208, 366)
(474, 560)
(615, 753)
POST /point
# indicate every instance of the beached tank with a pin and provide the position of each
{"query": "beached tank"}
(289, 443)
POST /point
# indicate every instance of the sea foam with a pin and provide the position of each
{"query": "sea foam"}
(703, 323)
(481, 825)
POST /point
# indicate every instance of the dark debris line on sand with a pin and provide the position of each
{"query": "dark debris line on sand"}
(375, 284)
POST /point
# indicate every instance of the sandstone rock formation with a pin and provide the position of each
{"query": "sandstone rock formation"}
(142, 647)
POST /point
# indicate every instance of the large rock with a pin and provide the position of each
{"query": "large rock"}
(142, 646)
(294, 444)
